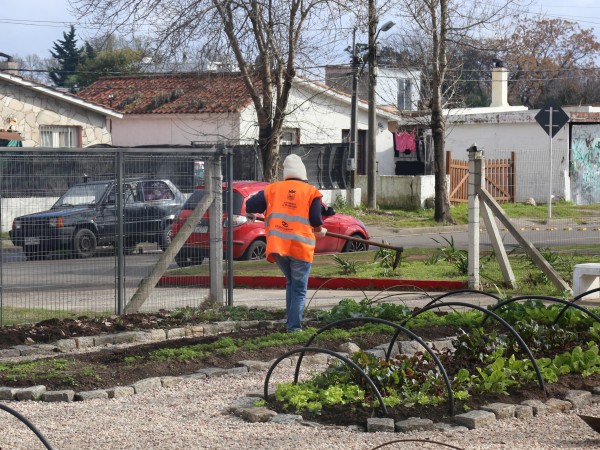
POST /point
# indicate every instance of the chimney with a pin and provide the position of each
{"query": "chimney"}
(499, 87)
(9, 66)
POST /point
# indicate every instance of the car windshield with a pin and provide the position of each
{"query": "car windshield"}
(196, 196)
(82, 194)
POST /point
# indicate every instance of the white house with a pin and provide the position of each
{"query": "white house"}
(396, 87)
(210, 107)
(566, 168)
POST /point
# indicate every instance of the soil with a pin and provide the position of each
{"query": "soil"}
(123, 366)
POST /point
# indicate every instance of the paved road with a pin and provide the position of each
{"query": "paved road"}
(85, 285)
(559, 234)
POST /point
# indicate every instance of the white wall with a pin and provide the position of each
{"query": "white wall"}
(155, 129)
(321, 119)
(387, 86)
(401, 191)
(14, 207)
(499, 134)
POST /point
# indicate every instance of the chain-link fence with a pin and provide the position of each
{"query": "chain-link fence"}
(81, 229)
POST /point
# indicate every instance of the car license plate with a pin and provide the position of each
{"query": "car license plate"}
(201, 229)
(32, 241)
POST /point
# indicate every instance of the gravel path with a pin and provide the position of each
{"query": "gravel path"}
(193, 415)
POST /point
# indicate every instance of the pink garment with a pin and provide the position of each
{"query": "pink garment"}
(405, 142)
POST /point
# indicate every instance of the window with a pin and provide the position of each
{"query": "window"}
(404, 95)
(290, 136)
(59, 136)
(157, 190)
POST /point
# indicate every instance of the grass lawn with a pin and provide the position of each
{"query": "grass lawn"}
(424, 217)
(426, 264)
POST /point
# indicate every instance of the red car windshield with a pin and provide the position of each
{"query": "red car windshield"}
(196, 196)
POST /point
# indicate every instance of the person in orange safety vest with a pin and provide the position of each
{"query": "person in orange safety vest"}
(293, 222)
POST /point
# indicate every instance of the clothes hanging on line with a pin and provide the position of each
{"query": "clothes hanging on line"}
(404, 142)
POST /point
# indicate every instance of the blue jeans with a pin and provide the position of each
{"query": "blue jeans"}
(296, 273)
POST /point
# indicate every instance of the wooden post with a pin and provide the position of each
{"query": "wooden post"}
(475, 179)
(513, 158)
(214, 180)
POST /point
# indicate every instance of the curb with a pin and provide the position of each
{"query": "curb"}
(278, 282)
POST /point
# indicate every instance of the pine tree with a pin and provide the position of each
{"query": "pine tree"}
(68, 56)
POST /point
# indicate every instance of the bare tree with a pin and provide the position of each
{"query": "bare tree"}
(35, 68)
(262, 37)
(439, 27)
(552, 58)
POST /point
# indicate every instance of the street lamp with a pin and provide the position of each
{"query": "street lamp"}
(372, 149)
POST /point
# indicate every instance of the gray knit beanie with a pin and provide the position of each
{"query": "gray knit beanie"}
(294, 168)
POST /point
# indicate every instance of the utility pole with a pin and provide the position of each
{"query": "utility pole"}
(353, 137)
(371, 146)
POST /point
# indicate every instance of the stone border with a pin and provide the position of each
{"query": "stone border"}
(246, 407)
(136, 337)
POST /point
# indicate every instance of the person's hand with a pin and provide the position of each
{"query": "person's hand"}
(321, 233)
(251, 217)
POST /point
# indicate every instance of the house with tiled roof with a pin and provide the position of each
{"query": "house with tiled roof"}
(210, 107)
(36, 115)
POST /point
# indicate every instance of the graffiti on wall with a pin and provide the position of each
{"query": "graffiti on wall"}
(585, 164)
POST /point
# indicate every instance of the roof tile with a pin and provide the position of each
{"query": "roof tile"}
(180, 93)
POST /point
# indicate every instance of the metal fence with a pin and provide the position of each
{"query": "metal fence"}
(49, 274)
(325, 163)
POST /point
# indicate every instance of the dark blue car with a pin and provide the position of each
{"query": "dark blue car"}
(85, 217)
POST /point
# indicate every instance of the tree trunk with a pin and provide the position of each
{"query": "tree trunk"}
(438, 124)
(442, 202)
(269, 148)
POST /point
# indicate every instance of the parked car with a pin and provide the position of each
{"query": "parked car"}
(249, 241)
(85, 217)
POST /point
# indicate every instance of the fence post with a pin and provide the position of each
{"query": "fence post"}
(120, 232)
(214, 180)
(475, 181)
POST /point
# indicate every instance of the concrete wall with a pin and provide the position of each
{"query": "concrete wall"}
(14, 207)
(32, 110)
(409, 192)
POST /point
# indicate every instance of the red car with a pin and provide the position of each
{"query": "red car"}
(249, 241)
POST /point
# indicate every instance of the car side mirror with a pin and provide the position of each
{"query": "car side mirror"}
(329, 211)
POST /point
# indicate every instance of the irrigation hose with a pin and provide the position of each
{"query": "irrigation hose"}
(29, 424)
(417, 440)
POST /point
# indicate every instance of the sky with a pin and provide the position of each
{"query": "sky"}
(32, 26)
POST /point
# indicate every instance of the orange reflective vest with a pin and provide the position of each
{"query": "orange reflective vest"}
(288, 229)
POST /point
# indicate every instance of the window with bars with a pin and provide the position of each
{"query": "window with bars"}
(57, 136)
(290, 136)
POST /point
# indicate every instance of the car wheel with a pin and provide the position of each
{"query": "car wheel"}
(353, 246)
(187, 259)
(34, 253)
(84, 243)
(165, 237)
(256, 251)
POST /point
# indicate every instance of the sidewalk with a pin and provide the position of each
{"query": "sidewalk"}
(324, 299)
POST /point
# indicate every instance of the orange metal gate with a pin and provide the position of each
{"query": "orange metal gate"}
(500, 178)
